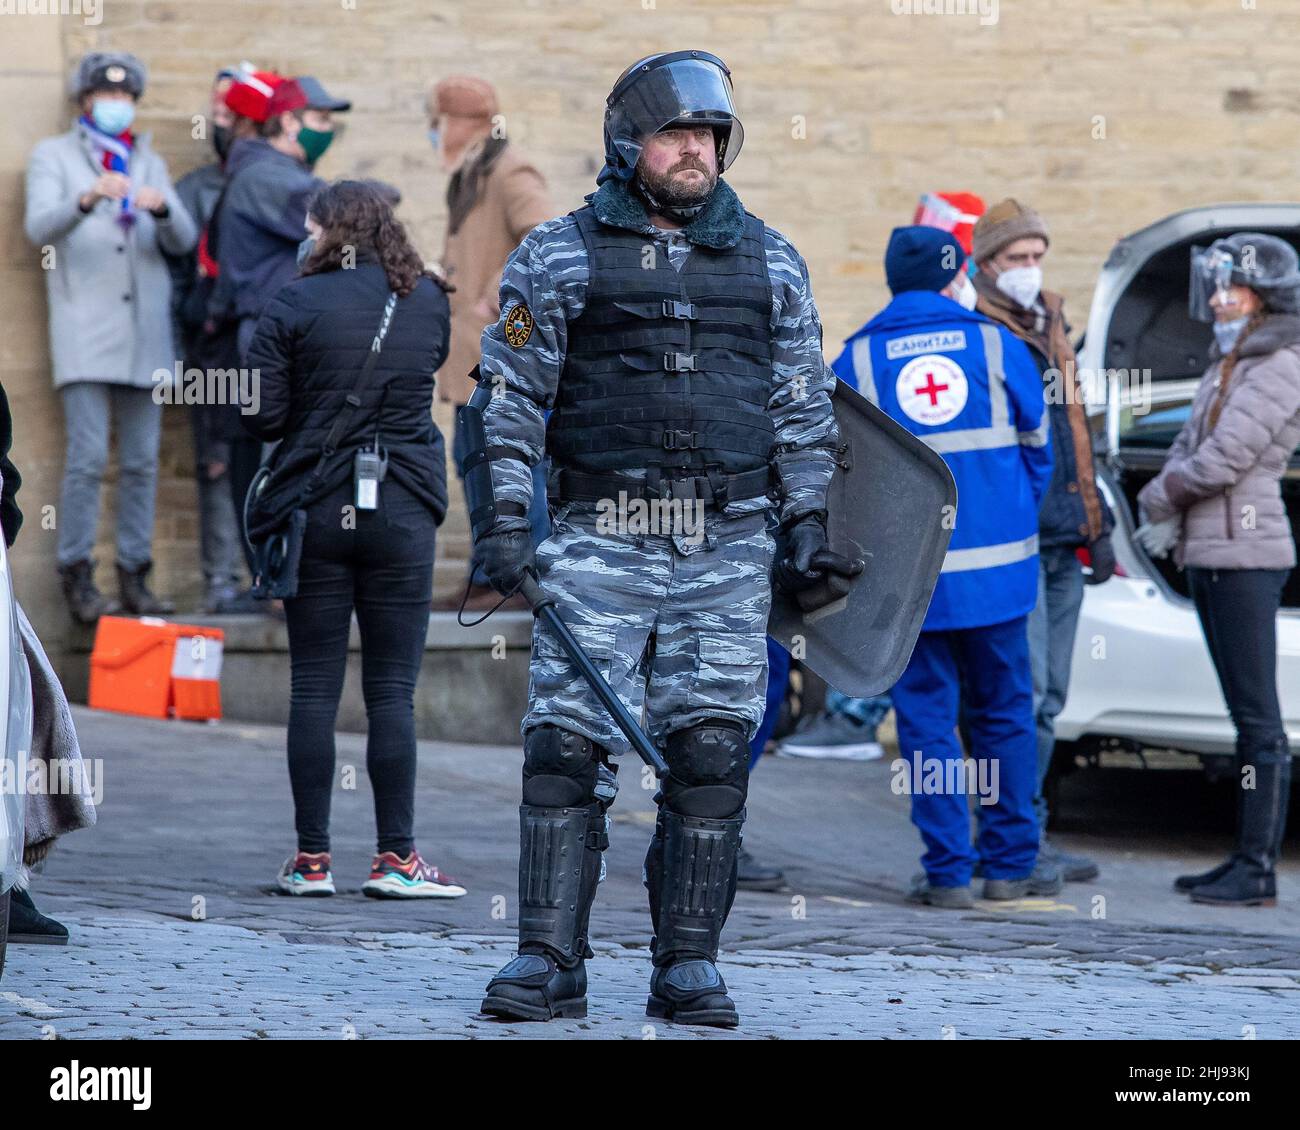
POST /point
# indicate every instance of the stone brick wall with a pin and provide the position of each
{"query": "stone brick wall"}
(1105, 115)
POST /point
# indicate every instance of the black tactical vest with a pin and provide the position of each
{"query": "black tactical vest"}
(668, 371)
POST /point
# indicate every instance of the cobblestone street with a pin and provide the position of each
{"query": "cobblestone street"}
(178, 931)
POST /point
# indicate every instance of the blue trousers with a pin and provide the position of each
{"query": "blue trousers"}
(991, 666)
(778, 678)
(1052, 625)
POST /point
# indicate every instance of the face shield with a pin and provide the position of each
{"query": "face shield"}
(1211, 274)
(686, 87)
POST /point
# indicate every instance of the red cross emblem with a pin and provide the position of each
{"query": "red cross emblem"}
(930, 389)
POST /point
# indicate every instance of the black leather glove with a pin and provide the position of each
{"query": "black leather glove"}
(505, 552)
(803, 559)
(1103, 560)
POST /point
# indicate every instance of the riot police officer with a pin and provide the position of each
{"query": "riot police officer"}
(674, 339)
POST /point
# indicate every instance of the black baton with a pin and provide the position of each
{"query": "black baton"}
(544, 609)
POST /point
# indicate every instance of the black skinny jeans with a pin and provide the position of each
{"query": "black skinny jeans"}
(383, 567)
(1238, 614)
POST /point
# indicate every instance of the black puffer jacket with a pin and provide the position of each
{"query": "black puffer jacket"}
(307, 352)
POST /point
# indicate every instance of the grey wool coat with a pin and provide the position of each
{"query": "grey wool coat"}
(1225, 480)
(109, 288)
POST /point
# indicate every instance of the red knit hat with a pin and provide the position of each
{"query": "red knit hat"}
(250, 93)
(954, 212)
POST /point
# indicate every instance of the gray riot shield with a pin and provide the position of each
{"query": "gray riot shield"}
(892, 503)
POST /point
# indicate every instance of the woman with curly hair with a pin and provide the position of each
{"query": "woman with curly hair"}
(377, 493)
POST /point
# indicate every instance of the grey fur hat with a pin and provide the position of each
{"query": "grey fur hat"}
(108, 70)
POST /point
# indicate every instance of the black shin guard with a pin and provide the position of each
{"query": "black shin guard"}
(690, 871)
(562, 835)
(559, 868)
(691, 877)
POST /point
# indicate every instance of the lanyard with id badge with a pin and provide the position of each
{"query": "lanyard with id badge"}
(370, 465)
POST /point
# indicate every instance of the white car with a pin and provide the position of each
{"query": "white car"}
(16, 693)
(1142, 676)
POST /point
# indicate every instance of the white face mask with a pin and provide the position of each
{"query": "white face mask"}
(1021, 284)
(1226, 333)
(965, 295)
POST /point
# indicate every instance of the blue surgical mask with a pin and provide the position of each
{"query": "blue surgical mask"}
(1226, 333)
(305, 248)
(112, 115)
(435, 139)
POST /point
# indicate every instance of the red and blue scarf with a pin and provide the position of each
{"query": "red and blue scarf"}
(114, 153)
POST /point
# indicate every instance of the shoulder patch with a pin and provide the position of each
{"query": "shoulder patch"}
(518, 325)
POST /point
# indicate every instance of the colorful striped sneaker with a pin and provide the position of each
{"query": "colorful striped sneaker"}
(306, 873)
(392, 877)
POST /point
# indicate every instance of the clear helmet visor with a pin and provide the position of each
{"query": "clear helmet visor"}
(687, 91)
(1211, 273)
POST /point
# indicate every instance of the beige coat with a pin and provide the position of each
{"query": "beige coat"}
(513, 202)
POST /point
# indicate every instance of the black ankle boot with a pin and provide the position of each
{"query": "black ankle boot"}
(29, 927)
(86, 603)
(136, 597)
(1190, 882)
(1243, 884)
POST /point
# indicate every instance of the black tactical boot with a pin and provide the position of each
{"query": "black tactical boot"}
(534, 987)
(559, 869)
(691, 879)
(136, 597)
(86, 603)
(1250, 880)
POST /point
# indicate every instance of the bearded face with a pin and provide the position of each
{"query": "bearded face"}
(679, 167)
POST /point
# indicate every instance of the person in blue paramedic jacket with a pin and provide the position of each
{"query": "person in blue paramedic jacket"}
(970, 390)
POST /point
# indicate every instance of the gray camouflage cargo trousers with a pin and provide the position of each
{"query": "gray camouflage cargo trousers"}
(677, 625)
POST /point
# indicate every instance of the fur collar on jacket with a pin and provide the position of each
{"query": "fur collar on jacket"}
(719, 226)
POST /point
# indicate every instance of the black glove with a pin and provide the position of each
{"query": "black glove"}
(803, 559)
(505, 552)
(1103, 560)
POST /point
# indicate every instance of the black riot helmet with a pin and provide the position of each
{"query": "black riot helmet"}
(677, 88)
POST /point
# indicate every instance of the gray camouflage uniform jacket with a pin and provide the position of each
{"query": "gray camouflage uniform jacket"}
(548, 272)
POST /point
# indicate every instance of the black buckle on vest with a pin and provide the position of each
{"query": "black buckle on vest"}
(683, 310)
(679, 362)
(681, 441)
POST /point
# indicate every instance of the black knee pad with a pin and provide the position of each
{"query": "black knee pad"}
(559, 768)
(708, 770)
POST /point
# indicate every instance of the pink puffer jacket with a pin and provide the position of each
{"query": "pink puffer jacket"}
(1225, 481)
